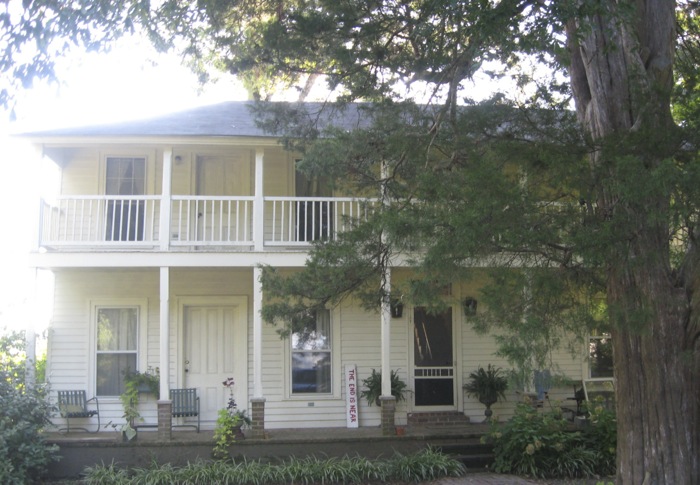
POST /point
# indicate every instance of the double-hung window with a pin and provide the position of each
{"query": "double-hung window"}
(117, 347)
(312, 356)
(125, 180)
(600, 356)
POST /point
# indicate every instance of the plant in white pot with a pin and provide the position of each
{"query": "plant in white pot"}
(487, 386)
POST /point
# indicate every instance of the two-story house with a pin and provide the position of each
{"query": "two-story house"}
(155, 238)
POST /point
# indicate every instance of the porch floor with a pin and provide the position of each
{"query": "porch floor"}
(286, 435)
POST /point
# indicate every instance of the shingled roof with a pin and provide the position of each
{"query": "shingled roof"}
(233, 118)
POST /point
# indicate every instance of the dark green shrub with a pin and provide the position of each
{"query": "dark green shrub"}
(601, 436)
(425, 465)
(24, 455)
(543, 445)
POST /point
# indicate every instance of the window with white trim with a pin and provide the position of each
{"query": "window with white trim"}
(125, 178)
(312, 356)
(117, 336)
(600, 356)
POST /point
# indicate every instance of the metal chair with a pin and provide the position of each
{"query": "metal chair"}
(74, 404)
(185, 405)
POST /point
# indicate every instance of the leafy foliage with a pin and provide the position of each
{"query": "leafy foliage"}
(422, 466)
(228, 423)
(226, 431)
(35, 34)
(542, 444)
(372, 389)
(487, 385)
(24, 455)
(601, 435)
(13, 356)
(134, 382)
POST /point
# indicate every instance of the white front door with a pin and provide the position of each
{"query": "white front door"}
(214, 350)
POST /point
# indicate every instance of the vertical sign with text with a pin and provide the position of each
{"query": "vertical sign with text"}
(352, 391)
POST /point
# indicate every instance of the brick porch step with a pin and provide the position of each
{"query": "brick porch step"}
(471, 452)
(440, 418)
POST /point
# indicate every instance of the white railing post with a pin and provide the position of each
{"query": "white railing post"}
(166, 200)
(259, 203)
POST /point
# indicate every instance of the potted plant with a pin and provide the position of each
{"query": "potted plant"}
(373, 387)
(146, 382)
(136, 382)
(229, 423)
(488, 386)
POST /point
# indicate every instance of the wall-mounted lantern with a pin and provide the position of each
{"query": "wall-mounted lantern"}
(470, 306)
(396, 308)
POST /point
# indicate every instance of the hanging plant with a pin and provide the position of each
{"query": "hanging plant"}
(136, 382)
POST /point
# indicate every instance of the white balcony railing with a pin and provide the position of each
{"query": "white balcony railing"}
(294, 221)
(99, 221)
(196, 222)
(211, 221)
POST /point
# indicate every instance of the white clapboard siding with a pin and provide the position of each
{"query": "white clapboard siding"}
(360, 344)
(69, 347)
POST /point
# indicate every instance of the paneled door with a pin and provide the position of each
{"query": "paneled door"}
(210, 354)
(433, 360)
(219, 220)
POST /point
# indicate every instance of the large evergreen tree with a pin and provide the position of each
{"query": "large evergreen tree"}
(600, 202)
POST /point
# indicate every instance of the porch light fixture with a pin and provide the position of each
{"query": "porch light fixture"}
(470, 306)
(396, 308)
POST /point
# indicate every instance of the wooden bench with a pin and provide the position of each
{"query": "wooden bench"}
(185, 405)
(74, 404)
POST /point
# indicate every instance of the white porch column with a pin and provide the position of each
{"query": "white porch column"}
(386, 333)
(164, 363)
(38, 161)
(257, 333)
(259, 202)
(386, 304)
(166, 200)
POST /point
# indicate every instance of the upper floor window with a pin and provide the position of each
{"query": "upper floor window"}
(125, 217)
(117, 348)
(311, 356)
(126, 176)
(600, 356)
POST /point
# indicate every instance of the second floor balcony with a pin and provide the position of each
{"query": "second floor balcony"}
(185, 222)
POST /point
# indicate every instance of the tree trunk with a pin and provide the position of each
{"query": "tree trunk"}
(622, 73)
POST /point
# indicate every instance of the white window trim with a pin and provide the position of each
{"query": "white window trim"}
(141, 345)
(336, 368)
(586, 371)
(148, 155)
